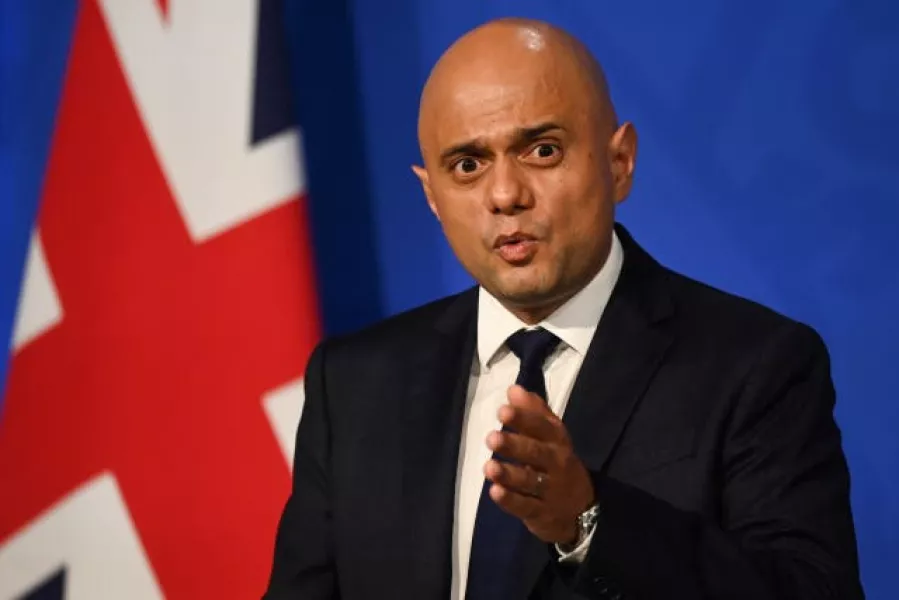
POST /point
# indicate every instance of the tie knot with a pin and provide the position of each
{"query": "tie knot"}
(532, 346)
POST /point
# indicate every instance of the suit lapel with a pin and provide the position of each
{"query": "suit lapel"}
(432, 412)
(625, 353)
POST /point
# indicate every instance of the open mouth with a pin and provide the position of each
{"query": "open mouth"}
(516, 248)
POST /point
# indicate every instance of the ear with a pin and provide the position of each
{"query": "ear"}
(623, 160)
(422, 175)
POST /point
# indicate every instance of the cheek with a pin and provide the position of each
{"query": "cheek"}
(578, 214)
(462, 221)
(457, 210)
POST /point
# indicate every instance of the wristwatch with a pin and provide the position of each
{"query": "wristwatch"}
(586, 521)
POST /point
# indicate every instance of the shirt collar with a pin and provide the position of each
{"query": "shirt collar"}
(574, 322)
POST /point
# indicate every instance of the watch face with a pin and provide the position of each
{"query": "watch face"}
(588, 517)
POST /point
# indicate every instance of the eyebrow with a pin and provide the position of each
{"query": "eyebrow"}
(530, 134)
(523, 135)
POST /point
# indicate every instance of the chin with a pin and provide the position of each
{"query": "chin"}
(525, 291)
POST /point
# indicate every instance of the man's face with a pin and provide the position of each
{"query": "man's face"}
(519, 170)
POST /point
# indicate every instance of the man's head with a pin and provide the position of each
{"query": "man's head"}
(524, 161)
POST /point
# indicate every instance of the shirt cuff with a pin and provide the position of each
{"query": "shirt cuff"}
(578, 553)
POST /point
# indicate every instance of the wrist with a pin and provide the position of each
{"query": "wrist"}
(583, 528)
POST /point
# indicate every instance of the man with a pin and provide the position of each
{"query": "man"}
(583, 424)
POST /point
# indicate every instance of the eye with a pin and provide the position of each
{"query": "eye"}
(466, 166)
(546, 151)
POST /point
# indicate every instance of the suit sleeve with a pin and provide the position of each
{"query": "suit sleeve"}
(785, 528)
(303, 565)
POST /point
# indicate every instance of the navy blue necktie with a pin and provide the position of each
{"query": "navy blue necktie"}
(496, 533)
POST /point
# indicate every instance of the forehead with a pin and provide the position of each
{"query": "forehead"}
(490, 104)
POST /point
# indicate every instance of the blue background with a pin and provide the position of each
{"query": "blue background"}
(767, 166)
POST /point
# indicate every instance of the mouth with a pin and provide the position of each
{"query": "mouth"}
(516, 248)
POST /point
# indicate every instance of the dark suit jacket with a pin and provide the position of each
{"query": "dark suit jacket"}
(705, 421)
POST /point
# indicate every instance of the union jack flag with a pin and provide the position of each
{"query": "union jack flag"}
(167, 311)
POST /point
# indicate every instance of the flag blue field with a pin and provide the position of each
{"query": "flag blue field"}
(34, 45)
(767, 166)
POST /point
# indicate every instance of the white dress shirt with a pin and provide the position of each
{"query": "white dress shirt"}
(495, 369)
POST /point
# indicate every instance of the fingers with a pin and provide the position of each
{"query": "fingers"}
(523, 480)
(522, 506)
(521, 398)
(529, 415)
(529, 423)
(523, 449)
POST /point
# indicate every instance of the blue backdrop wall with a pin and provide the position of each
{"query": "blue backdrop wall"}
(767, 167)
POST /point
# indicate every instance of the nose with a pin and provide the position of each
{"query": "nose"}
(507, 191)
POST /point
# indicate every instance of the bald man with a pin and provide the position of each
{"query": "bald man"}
(584, 423)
